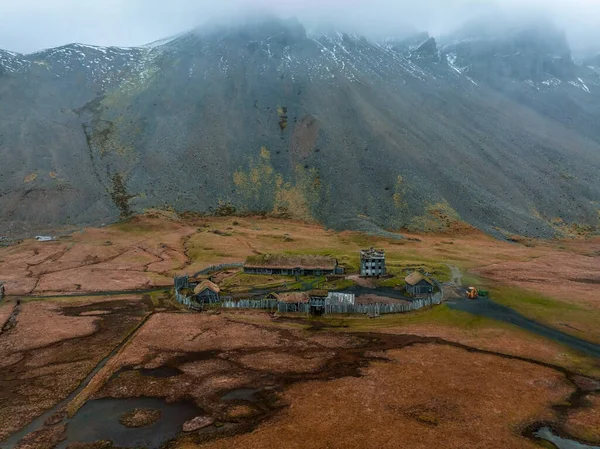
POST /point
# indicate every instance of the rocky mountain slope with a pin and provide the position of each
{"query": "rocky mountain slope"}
(498, 130)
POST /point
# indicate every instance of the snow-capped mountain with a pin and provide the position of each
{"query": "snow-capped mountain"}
(498, 130)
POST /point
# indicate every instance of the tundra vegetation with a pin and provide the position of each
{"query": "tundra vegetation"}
(73, 342)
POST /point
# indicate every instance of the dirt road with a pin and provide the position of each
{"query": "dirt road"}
(490, 309)
(456, 275)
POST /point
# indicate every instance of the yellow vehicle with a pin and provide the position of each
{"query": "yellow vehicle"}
(472, 293)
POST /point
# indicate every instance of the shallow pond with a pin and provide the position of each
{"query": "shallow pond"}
(99, 420)
(160, 372)
(545, 433)
(241, 394)
(164, 371)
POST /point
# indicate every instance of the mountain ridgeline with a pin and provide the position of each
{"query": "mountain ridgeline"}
(496, 130)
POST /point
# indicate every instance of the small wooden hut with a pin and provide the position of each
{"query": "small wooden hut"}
(418, 284)
(206, 293)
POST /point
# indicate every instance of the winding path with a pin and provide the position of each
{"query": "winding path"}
(456, 275)
(489, 309)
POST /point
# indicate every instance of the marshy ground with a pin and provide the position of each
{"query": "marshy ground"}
(256, 377)
(137, 370)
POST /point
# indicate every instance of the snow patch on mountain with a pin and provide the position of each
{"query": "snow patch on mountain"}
(333, 57)
(13, 62)
(105, 66)
(584, 86)
(552, 81)
(580, 85)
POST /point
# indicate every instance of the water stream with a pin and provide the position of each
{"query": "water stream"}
(545, 433)
(38, 422)
(99, 419)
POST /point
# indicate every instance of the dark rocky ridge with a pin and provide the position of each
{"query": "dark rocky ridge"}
(499, 131)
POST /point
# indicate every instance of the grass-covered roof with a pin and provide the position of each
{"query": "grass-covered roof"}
(291, 261)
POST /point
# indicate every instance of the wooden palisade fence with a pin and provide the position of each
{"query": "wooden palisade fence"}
(365, 309)
(266, 304)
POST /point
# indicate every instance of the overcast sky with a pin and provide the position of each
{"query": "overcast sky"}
(30, 25)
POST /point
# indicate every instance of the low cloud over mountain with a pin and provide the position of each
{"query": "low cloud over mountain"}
(496, 129)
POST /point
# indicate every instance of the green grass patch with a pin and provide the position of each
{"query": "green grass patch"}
(338, 284)
(243, 282)
(437, 315)
(307, 283)
(471, 280)
(396, 281)
(399, 265)
(564, 316)
(199, 252)
(134, 226)
(158, 295)
(532, 301)
(444, 316)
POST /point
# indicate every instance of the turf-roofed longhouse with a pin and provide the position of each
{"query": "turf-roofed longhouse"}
(292, 265)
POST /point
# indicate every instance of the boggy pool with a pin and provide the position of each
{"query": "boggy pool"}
(99, 420)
